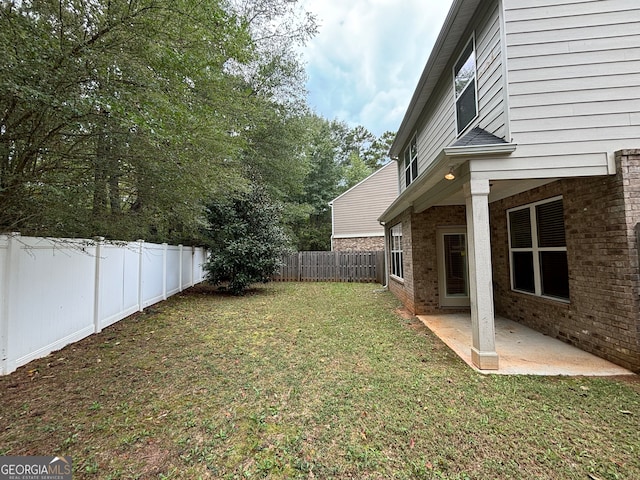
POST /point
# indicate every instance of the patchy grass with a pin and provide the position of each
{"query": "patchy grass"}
(306, 381)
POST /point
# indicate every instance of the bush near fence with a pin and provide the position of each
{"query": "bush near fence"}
(54, 292)
(332, 267)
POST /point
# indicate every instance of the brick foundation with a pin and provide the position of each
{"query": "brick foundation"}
(601, 218)
(358, 244)
(601, 214)
(419, 291)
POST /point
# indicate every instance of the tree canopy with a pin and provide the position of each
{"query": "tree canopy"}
(126, 118)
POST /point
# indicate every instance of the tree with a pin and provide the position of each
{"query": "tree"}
(245, 238)
(338, 157)
(321, 149)
(106, 112)
(356, 171)
(120, 118)
(377, 155)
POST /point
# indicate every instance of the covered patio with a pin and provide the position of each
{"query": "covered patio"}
(522, 351)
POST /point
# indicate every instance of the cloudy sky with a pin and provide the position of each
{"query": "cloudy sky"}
(366, 60)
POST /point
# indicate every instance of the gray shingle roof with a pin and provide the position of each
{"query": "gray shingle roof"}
(478, 136)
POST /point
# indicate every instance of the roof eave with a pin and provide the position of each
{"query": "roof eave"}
(413, 191)
(459, 14)
(436, 170)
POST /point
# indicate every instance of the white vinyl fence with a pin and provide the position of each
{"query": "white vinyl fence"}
(54, 292)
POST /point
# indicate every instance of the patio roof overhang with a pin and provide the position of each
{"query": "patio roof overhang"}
(431, 184)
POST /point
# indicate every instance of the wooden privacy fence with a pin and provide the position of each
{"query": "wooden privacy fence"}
(332, 267)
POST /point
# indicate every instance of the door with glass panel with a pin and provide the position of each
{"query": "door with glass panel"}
(453, 267)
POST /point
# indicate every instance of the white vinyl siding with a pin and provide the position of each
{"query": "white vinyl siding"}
(437, 126)
(356, 212)
(490, 80)
(574, 80)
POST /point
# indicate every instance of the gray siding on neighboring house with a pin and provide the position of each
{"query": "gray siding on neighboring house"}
(356, 212)
(437, 128)
(574, 78)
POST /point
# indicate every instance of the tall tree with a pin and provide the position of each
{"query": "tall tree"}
(377, 154)
(310, 220)
(356, 171)
(120, 117)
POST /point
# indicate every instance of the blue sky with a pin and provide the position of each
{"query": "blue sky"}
(366, 60)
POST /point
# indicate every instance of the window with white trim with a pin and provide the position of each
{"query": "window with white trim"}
(395, 248)
(411, 162)
(538, 249)
(464, 80)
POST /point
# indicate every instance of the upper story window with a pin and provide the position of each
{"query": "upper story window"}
(538, 249)
(464, 74)
(410, 162)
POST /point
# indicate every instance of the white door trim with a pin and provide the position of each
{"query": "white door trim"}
(446, 300)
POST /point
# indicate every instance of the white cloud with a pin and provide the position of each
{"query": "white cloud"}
(366, 60)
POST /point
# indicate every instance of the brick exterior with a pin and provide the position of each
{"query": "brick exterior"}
(601, 218)
(403, 289)
(359, 244)
(601, 214)
(419, 292)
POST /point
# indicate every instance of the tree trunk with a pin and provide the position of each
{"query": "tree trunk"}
(100, 174)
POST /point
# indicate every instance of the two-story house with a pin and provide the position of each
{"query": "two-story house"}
(519, 175)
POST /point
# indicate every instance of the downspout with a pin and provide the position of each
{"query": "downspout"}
(385, 287)
(333, 224)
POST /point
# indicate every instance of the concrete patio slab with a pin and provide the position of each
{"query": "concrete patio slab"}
(521, 350)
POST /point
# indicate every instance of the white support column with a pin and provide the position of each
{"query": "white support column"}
(483, 351)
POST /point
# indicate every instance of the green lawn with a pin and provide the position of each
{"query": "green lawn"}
(309, 380)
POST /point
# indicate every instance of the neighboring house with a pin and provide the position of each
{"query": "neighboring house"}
(354, 214)
(533, 107)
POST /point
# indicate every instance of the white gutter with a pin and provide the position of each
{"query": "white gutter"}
(477, 150)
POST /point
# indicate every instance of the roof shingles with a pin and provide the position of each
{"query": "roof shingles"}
(478, 136)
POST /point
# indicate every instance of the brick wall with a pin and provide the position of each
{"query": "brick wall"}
(425, 254)
(359, 244)
(403, 289)
(601, 214)
(419, 290)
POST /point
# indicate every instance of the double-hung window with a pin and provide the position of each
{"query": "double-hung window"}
(538, 249)
(395, 247)
(464, 74)
(411, 162)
